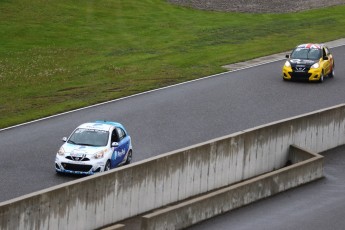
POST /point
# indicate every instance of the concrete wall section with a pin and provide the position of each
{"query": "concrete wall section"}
(201, 208)
(297, 154)
(106, 198)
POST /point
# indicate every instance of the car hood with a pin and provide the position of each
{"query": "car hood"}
(304, 62)
(80, 150)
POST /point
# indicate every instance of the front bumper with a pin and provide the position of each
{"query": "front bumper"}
(310, 75)
(79, 168)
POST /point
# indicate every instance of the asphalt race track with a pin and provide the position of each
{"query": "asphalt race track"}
(175, 117)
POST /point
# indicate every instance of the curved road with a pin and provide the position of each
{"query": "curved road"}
(168, 119)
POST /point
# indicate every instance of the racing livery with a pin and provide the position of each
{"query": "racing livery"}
(310, 62)
(94, 147)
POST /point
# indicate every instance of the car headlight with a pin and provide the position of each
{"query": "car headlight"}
(99, 155)
(61, 151)
(287, 64)
(315, 66)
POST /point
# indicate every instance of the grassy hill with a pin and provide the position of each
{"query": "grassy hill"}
(61, 55)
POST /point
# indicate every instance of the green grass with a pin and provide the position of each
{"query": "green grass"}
(61, 55)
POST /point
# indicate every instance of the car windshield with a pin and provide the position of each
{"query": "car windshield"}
(89, 137)
(305, 53)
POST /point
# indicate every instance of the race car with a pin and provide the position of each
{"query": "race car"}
(94, 147)
(309, 62)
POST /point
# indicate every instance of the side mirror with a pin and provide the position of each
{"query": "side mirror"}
(64, 139)
(115, 144)
(325, 58)
(287, 56)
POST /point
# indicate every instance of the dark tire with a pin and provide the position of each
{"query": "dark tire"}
(129, 157)
(107, 166)
(59, 173)
(331, 74)
(321, 78)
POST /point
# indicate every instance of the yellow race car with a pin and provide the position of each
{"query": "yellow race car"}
(309, 62)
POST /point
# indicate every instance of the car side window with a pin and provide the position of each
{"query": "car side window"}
(121, 133)
(115, 136)
(326, 51)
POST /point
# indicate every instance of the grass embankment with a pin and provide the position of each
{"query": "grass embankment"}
(60, 55)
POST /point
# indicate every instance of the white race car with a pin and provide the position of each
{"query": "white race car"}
(94, 147)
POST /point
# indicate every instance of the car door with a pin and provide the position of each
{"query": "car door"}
(119, 152)
(330, 59)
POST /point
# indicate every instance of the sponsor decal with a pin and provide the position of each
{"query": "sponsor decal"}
(295, 60)
(78, 154)
(122, 152)
(313, 46)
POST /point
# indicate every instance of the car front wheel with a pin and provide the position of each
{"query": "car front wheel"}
(321, 78)
(107, 166)
(331, 74)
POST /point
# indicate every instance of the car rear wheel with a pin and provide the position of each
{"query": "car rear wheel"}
(129, 157)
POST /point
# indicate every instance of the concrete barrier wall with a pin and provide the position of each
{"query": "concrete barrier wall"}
(308, 167)
(297, 154)
(109, 197)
